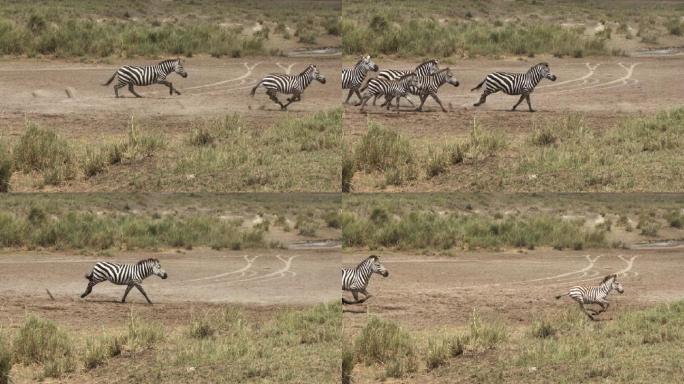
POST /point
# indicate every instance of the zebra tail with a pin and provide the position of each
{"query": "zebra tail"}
(559, 296)
(110, 80)
(89, 276)
(255, 88)
(478, 86)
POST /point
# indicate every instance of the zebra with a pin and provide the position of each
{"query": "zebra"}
(390, 88)
(131, 275)
(352, 78)
(595, 294)
(355, 280)
(423, 69)
(515, 84)
(429, 85)
(290, 85)
(147, 75)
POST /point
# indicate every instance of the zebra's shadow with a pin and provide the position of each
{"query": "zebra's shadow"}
(114, 301)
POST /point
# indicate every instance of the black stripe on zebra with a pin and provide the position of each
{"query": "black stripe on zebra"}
(522, 84)
(131, 275)
(147, 75)
(355, 280)
(595, 294)
(430, 84)
(352, 78)
(289, 84)
(389, 88)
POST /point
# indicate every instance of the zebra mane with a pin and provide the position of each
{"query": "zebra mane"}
(371, 257)
(307, 69)
(400, 79)
(608, 278)
(168, 61)
(150, 260)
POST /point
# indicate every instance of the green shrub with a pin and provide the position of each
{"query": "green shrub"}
(383, 342)
(383, 150)
(45, 151)
(99, 349)
(42, 342)
(143, 334)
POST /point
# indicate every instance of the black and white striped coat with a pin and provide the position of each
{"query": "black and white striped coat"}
(430, 84)
(594, 295)
(355, 280)
(289, 84)
(389, 88)
(131, 275)
(522, 84)
(352, 78)
(425, 68)
(147, 75)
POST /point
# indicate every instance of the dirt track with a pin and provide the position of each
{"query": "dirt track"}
(439, 291)
(604, 88)
(198, 279)
(37, 90)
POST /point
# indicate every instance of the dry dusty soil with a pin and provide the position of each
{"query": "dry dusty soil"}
(259, 281)
(431, 292)
(602, 88)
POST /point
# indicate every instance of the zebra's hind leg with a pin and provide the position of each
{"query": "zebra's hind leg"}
(422, 101)
(116, 89)
(522, 97)
(272, 95)
(140, 288)
(128, 289)
(410, 101)
(130, 88)
(89, 289)
(482, 100)
(586, 312)
(170, 85)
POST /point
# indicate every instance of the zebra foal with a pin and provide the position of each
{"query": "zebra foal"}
(425, 68)
(147, 75)
(594, 295)
(389, 88)
(131, 275)
(352, 78)
(355, 279)
(429, 85)
(290, 85)
(522, 84)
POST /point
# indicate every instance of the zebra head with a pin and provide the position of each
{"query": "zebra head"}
(368, 64)
(178, 68)
(377, 267)
(449, 77)
(427, 68)
(611, 282)
(542, 69)
(157, 269)
(312, 70)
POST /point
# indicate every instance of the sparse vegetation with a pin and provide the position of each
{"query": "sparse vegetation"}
(6, 360)
(99, 349)
(40, 341)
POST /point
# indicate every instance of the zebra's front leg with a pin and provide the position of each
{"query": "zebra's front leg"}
(349, 95)
(522, 97)
(410, 101)
(358, 94)
(586, 312)
(422, 101)
(170, 85)
(140, 288)
(529, 103)
(130, 88)
(604, 307)
(364, 100)
(128, 289)
(434, 96)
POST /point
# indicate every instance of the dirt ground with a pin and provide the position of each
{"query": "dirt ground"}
(37, 90)
(260, 281)
(604, 89)
(431, 292)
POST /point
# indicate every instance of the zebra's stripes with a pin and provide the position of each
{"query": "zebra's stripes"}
(389, 88)
(352, 78)
(425, 68)
(147, 75)
(515, 83)
(595, 294)
(355, 280)
(131, 275)
(430, 84)
(290, 85)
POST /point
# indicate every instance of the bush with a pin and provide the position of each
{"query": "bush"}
(42, 342)
(44, 151)
(485, 335)
(383, 150)
(348, 362)
(6, 360)
(384, 342)
(101, 348)
(143, 334)
(675, 219)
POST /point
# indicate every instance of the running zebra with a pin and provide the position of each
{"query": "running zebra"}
(594, 295)
(131, 275)
(355, 280)
(352, 78)
(424, 69)
(429, 85)
(515, 84)
(290, 85)
(389, 88)
(151, 74)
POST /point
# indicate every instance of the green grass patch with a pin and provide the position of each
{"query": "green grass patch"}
(41, 342)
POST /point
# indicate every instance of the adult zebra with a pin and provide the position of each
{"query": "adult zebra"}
(595, 294)
(515, 84)
(423, 69)
(131, 275)
(429, 85)
(355, 280)
(352, 78)
(389, 88)
(147, 75)
(290, 85)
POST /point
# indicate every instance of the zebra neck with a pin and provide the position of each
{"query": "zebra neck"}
(307, 78)
(535, 78)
